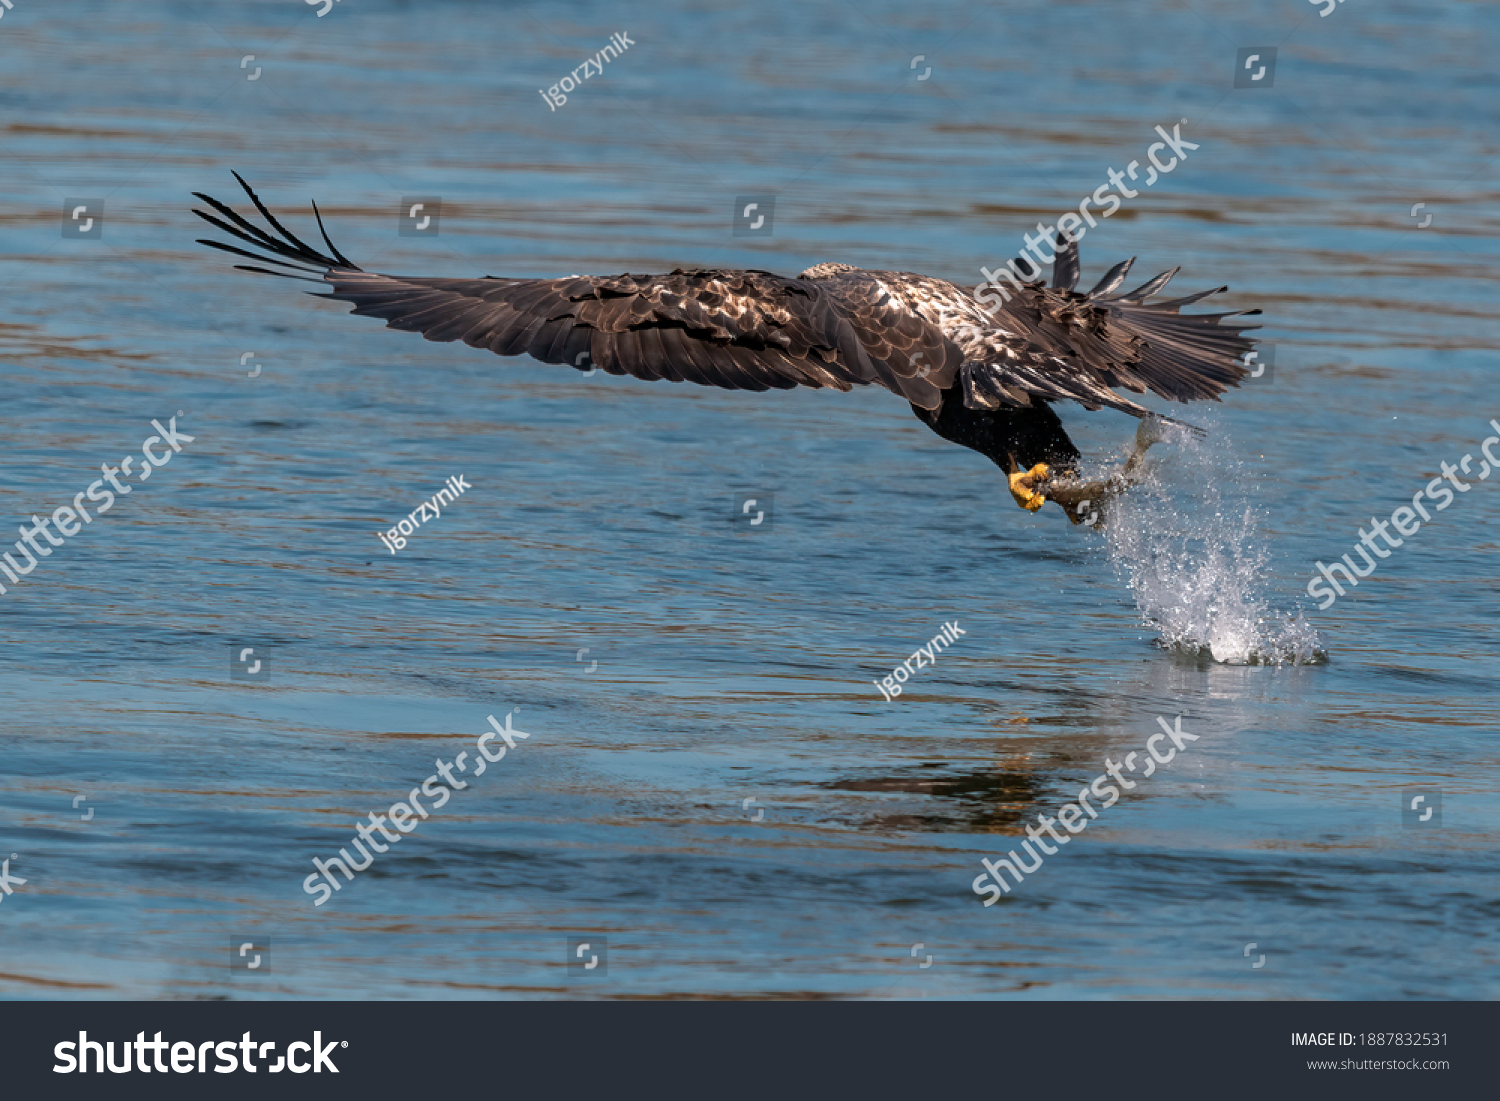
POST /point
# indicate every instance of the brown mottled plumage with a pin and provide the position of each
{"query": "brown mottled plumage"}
(979, 376)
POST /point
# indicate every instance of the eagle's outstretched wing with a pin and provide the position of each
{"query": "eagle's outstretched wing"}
(1109, 339)
(740, 330)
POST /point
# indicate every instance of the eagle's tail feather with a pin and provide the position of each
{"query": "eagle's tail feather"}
(1065, 267)
(1150, 287)
(1112, 279)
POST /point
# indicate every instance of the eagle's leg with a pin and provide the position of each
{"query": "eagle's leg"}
(1027, 442)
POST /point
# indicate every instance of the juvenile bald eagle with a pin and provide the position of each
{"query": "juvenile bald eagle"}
(979, 373)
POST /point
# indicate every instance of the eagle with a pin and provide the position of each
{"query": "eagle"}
(979, 369)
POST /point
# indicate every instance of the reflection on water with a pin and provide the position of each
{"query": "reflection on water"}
(990, 801)
(712, 782)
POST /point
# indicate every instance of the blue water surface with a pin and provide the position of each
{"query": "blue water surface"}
(712, 785)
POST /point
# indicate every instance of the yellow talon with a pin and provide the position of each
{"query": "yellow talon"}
(1023, 487)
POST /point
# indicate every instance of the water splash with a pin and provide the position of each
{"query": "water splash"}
(1189, 542)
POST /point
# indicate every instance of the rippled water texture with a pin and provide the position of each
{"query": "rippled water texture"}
(714, 784)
